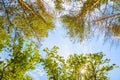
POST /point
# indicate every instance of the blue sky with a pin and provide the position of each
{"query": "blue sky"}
(59, 37)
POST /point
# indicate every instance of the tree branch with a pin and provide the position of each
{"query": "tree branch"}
(30, 9)
(89, 8)
(39, 2)
(104, 18)
(26, 6)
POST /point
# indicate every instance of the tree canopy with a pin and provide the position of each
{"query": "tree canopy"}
(92, 66)
(22, 56)
(22, 21)
(36, 17)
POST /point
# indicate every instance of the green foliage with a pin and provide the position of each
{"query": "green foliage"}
(33, 26)
(100, 15)
(27, 77)
(32, 19)
(58, 4)
(93, 64)
(115, 30)
(22, 57)
(29, 19)
(53, 64)
(76, 27)
(87, 66)
(91, 5)
(3, 35)
(3, 38)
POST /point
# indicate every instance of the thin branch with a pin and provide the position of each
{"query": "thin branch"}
(104, 18)
(105, 9)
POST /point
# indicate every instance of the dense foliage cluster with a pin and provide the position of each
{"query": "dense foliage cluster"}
(90, 66)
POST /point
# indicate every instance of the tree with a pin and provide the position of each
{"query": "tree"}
(23, 56)
(53, 63)
(30, 19)
(34, 17)
(90, 66)
(102, 15)
(76, 29)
